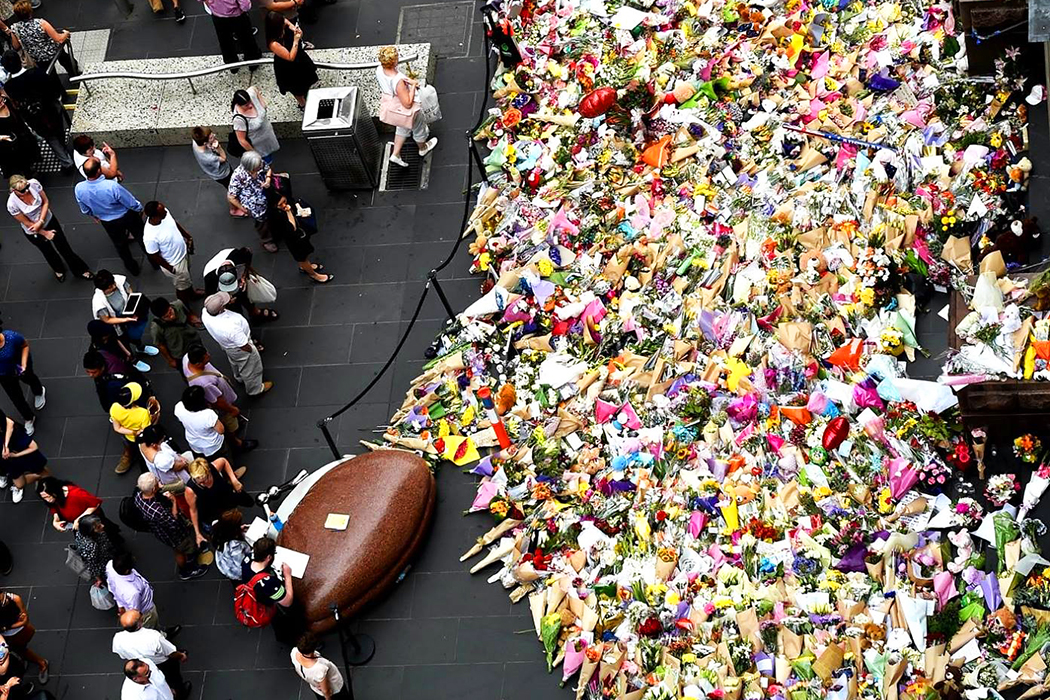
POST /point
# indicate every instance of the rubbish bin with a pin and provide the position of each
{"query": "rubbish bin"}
(342, 138)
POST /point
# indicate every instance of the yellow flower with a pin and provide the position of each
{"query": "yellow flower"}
(821, 492)
(546, 267)
(688, 658)
(672, 598)
(997, 140)
(867, 296)
(484, 261)
(885, 506)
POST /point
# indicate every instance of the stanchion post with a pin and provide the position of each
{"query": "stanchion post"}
(473, 148)
(441, 294)
(323, 425)
(362, 646)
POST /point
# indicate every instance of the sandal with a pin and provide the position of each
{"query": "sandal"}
(327, 278)
(267, 315)
(270, 247)
(318, 267)
(88, 276)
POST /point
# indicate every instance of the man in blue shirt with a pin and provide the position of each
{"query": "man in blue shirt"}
(109, 203)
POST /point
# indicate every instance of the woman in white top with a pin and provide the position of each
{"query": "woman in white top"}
(321, 674)
(204, 430)
(393, 82)
(170, 467)
(29, 205)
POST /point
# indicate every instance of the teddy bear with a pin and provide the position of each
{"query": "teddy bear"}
(964, 550)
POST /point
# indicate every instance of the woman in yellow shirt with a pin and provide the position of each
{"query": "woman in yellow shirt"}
(129, 418)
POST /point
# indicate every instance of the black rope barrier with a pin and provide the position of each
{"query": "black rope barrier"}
(432, 280)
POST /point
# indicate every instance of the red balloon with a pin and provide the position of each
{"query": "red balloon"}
(835, 433)
(597, 102)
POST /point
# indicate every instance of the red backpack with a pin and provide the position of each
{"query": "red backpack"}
(249, 611)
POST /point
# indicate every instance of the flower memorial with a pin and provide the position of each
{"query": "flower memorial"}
(683, 387)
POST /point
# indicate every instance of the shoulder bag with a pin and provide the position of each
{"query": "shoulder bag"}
(393, 113)
(233, 144)
(76, 563)
(260, 290)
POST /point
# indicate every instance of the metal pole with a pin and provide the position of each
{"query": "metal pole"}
(364, 647)
(342, 649)
(323, 425)
(192, 86)
(1046, 67)
(477, 157)
(441, 294)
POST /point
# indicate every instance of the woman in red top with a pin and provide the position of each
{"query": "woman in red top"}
(69, 503)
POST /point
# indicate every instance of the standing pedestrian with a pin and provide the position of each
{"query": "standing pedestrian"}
(204, 430)
(131, 591)
(227, 271)
(394, 83)
(110, 204)
(160, 511)
(233, 28)
(214, 488)
(137, 642)
(144, 681)
(218, 393)
(16, 368)
(292, 66)
(95, 547)
(163, 462)
(38, 100)
(129, 416)
(18, 631)
(23, 462)
(110, 305)
(29, 205)
(84, 150)
(19, 148)
(169, 247)
(278, 590)
(321, 674)
(108, 382)
(174, 329)
(248, 186)
(230, 330)
(69, 503)
(117, 358)
(252, 124)
(286, 226)
(41, 41)
(211, 156)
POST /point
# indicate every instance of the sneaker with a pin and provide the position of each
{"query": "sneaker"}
(397, 160)
(39, 401)
(150, 350)
(30, 427)
(431, 144)
(17, 494)
(193, 573)
(180, 16)
(142, 366)
(266, 387)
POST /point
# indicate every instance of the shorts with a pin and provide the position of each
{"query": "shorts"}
(20, 641)
(230, 423)
(188, 546)
(181, 276)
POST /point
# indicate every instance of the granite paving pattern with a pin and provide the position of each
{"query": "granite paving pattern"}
(442, 633)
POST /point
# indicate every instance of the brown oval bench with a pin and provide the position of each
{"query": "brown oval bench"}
(389, 496)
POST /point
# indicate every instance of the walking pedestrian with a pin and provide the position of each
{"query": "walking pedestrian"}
(109, 304)
(131, 591)
(230, 330)
(286, 226)
(95, 546)
(16, 368)
(108, 383)
(204, 430)
(137, 642)
(23, 463)
(18, 631)
(252, 124)
(144, 681)
(233, 28)
(69, 503)
(248, 186)
(394, 83)
(110, 204)
(116, 357)
(218, 393)
(84, 150)
(30, 206)
(173, 328)
(160, 511)
(37, 98)
(19, 148)
(292, 66)
(211, 156)
(130, 415)
(169, 247)
(41, 41)
(321, 675)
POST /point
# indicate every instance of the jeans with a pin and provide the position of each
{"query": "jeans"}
(12, 384)
(118, 229)
(58, 248)
(134, 331)
(236, 33)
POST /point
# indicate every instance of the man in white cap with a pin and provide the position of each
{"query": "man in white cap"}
(230, 330)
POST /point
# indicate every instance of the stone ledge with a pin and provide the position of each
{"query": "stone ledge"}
(131, 113)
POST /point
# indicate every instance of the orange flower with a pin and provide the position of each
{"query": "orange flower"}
(511, 117)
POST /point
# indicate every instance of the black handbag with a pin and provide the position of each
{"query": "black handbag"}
(233, 144)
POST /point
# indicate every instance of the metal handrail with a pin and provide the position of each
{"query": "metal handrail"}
(225, 66)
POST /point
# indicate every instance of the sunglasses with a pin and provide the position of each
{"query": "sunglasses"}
(22, 190)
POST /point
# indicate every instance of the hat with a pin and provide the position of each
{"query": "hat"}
(135, 390)
(216, 303)
(227, 279)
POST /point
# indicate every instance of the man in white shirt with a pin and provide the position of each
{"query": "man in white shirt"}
(169, 246)
(230, 330)
(137, 642)
(144, 681)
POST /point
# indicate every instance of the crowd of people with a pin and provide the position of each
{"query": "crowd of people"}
(189, 489)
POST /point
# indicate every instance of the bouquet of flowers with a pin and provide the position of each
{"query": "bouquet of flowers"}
(1001, 488)
(1027, 448)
